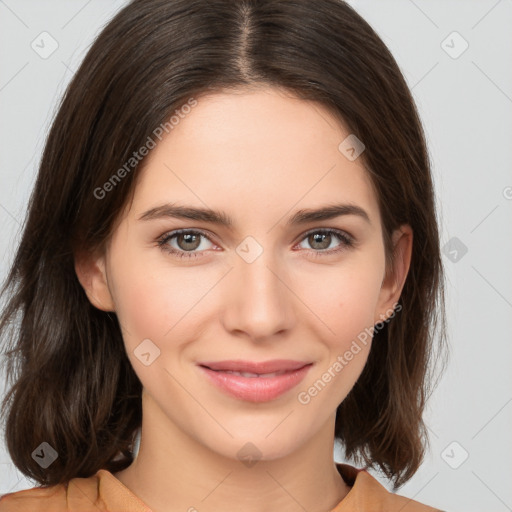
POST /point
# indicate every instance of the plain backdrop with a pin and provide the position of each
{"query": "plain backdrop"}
(456, 58)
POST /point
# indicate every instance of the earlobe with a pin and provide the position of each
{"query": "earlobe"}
(393, 283)
(91, 272)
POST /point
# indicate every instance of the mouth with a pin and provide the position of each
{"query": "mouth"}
(251, 375)
(253, 381)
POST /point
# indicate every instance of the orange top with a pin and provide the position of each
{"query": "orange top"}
(103, 492)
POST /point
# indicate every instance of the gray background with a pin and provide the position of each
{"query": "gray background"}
(465, 100)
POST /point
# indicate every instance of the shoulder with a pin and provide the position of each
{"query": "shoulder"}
(368, 494)
(78, 495)
(36, 499)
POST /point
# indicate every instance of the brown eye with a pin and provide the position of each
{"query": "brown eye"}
(320, 241)
(185, 243)
(188, 241)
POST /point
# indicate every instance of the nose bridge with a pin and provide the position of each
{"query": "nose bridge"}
(259, 302)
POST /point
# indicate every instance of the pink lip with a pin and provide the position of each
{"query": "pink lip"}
(256, 389)
(272, 366)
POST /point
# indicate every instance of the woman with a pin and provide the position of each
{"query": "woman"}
(231, 245)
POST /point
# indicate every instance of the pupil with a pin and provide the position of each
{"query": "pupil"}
(320, 238)
(190, 242)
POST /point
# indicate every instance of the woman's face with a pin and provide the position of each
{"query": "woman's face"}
(266, 286)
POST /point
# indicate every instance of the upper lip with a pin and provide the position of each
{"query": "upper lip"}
(262, 367)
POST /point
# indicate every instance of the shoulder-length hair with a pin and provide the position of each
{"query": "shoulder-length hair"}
(72, 383)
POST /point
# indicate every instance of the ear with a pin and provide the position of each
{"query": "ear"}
(394, 280)
(91, 272)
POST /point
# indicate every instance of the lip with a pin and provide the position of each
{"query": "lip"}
(237, 365)
(256, 389)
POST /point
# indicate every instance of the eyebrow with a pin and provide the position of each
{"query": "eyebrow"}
(221, 218)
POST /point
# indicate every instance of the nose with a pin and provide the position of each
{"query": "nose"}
(258, 299)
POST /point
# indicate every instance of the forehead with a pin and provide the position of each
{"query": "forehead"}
(260, 151)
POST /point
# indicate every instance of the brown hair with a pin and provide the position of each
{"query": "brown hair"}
(72, 383)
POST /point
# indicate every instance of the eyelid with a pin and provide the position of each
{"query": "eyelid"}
(168, 235)
(347, 241)
(209, 235)
(339, 232)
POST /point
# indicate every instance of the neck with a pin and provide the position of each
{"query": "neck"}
(173, 470)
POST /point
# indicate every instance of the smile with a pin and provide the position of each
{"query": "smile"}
(258, 385)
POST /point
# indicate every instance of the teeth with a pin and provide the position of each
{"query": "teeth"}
(252, 375)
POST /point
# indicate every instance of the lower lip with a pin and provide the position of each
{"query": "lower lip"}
(256, 389)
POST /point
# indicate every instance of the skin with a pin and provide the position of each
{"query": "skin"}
(259, 155)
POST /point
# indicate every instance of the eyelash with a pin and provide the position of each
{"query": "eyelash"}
(347, 242)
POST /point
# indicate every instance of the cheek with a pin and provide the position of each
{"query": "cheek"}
(154, 301)
(345, 307)
(343, 297)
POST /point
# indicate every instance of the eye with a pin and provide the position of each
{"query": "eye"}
(186, 242)
(321, 239)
